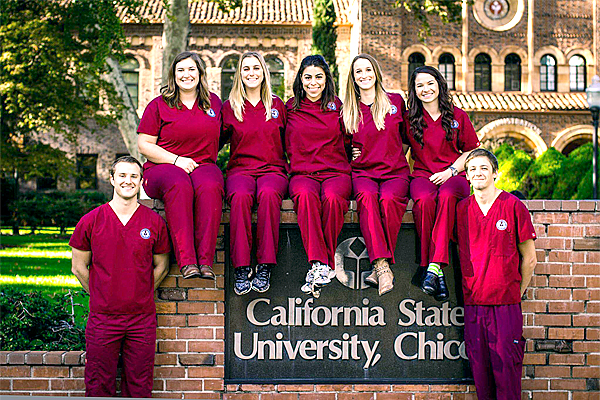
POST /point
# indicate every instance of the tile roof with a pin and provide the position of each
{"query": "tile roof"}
(251, 12)
(515, 101)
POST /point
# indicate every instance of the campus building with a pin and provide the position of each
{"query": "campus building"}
(519, 67)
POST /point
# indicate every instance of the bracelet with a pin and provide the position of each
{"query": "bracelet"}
(175, 160)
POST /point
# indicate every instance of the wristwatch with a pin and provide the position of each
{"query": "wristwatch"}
(453, 170)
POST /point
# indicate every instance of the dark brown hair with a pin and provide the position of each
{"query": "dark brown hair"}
(125, 159)
(415, 106)
(170, 92)
(328, 94)
(480, 152)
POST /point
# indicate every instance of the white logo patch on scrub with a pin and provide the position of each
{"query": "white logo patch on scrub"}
(274, 113)
(394, 110)
(454, 124)
(211, 112)
(145, 233)
(501, 225)
(331, 105)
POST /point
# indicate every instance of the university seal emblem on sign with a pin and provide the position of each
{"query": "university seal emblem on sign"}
(352, 264)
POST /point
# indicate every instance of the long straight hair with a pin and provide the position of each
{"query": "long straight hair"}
(170, 92)
(328, 94)
(238, 95)
(415, 106)
(351, 112)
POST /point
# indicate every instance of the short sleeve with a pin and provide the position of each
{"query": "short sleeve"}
(467, 136)
(226, 127)
(81, 238)
(162, 245)
(405, 128)
(525, 230)
(150, 122)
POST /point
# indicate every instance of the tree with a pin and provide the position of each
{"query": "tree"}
(324, 34)
(53, 67)
(449, 11)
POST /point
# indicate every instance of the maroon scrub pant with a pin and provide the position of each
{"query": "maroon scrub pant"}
(321, 201)
(434, 212)
(495, 347)
(193, 206)
(134, 335)
(243, 191)
(381, 204)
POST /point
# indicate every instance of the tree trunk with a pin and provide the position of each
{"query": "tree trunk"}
(176, 29)
(129, 121)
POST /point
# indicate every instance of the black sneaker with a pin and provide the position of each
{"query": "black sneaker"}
(430, 284)
(242, 284)
(261, 281)
(442, 293)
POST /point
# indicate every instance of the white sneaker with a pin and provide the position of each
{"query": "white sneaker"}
(323, 274)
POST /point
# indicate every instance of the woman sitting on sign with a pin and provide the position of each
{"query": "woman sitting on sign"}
(254, 120)
(441, 137)
(380, 171)
(320, 172)
(179, 135)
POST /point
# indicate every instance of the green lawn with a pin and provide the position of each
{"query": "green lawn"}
(38, 262)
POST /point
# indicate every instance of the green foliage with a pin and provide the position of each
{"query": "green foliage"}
(61, 209)
(540, 179)
(324, 34)
(573, 173)
(53, 58)
(550, 176)
(512, 165)
(33, 321)
(223, 158)
(449, 11)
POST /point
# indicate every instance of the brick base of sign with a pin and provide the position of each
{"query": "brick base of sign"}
(561, 316)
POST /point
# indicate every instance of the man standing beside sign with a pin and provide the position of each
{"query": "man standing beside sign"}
(497, 257)
(120, 255)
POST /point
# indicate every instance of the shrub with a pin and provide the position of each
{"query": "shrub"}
(61, 209)
(512, 166)
(33, 321)
(540, 180)
(573, 173)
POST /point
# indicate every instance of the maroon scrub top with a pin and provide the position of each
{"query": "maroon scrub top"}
(121, 270)
(382, 156)
(192, 133)
(256, 144)
(314, 139)
(437, 154)
(487, 246)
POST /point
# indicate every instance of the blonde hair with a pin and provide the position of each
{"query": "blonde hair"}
(170, 92)
(381, 106)
(238, 95)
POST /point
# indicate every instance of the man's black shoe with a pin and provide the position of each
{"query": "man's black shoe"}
(442, 293)
(430, 284)
(261, 281)
(242, 284)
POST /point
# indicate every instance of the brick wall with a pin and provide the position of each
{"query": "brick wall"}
(562, 327)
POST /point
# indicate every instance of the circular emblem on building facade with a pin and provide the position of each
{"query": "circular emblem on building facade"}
(498, 15)
(211, 112)
(145, 233)
(501, 225)
(394, 110)
(496, 9)
(274, 113)
(331, 105)
(352, 263)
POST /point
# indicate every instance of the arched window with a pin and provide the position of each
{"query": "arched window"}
(131, 76)
(276, 71)
(512, 72)
(577, 73)
(415, 60)
(228, 68)
(483, 73)
(447, 69)
(548, 74)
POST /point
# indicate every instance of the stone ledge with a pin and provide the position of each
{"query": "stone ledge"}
(68, 358)
(532, 205)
